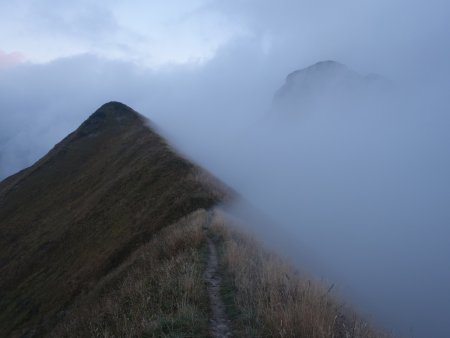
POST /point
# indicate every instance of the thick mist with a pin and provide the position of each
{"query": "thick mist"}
(353, 186)
(360, 197)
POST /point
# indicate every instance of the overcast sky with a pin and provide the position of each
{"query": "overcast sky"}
(60, 60)
(205, 71)
(370, 34)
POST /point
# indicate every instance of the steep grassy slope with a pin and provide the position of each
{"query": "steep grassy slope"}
(78, 213)
(157, 292)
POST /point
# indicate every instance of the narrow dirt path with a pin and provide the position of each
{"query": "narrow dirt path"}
(219, 324)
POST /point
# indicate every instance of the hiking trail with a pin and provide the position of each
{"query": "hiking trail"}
(219, 324)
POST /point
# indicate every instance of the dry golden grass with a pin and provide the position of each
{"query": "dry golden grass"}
(158, 292)
(267, 298)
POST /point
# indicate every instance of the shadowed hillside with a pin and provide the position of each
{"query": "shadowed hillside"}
(79, 212)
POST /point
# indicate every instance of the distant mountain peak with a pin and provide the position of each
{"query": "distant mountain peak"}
(325, 82)
(321, 66)
(320, 74)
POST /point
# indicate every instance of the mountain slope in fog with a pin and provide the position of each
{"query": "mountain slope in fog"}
(77, 213)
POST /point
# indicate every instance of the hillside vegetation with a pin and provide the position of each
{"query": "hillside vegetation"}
(157, 292)
(80, 211)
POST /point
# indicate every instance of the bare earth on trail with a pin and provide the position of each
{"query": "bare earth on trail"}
(219, 323)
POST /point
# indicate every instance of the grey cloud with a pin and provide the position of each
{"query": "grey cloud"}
(384, 36)
(81, 19)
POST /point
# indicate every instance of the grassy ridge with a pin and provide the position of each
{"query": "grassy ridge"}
(103, 238)
(81, 210)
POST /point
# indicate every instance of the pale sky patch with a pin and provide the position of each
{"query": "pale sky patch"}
(151, 34)
(11, 58)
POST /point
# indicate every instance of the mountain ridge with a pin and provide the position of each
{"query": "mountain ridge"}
(79, 211)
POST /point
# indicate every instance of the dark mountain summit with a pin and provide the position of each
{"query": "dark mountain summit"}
(110, 114)
(76, 214)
